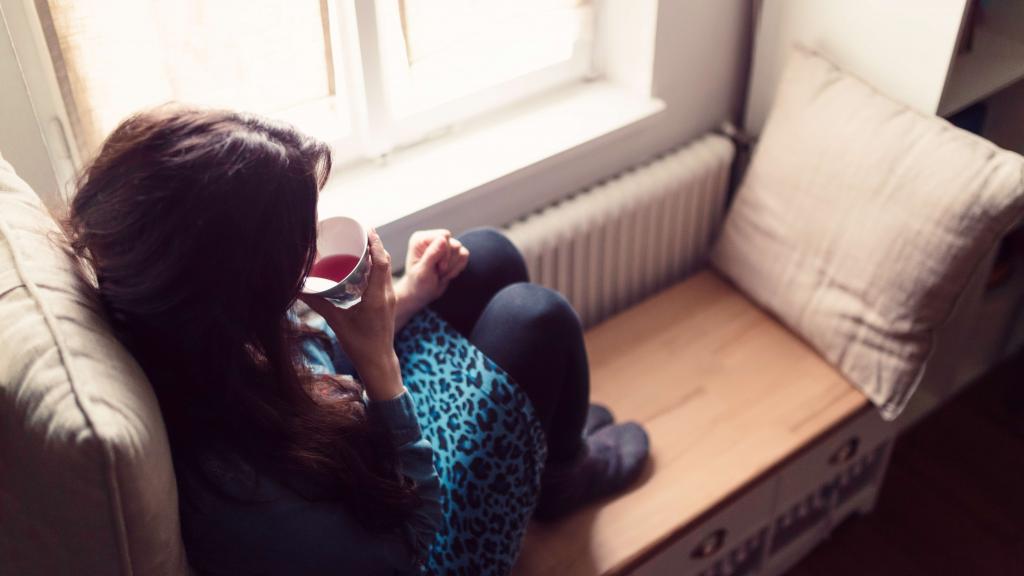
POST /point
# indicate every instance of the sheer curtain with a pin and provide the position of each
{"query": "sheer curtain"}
(114, 57)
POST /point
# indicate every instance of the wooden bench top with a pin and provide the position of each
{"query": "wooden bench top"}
(725, 392)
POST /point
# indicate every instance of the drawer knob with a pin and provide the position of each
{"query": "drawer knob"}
(710, 545)
(846, 451)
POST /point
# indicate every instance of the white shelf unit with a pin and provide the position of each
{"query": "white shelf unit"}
(992, 71)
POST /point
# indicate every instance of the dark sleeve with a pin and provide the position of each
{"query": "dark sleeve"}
(416, 461)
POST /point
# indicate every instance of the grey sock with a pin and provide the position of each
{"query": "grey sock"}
(598, 416)
(613, 459)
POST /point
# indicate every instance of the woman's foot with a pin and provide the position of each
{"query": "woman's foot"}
(598, 416)
(612, 459)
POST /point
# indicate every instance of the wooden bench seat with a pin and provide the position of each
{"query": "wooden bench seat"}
(726, 393)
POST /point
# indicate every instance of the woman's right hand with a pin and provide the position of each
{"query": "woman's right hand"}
(367, 330)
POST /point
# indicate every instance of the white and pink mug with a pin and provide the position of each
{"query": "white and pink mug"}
(342, 268)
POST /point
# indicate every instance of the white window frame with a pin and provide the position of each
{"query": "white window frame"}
(383, 66)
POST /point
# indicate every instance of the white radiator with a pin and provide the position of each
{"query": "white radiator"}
(619, 242)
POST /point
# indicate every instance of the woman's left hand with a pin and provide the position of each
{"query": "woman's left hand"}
(433, 260)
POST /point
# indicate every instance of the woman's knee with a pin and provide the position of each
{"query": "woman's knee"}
(534, 334)
(541, 309)
(492, 254)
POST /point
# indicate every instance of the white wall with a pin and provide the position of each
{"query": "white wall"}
(700, 70)
(701, 66)
(902, 47)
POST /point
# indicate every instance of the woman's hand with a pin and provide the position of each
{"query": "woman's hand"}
(433, 260)
(367, 330)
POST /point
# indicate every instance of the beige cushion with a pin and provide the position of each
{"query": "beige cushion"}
(860, 221)
(86, 483)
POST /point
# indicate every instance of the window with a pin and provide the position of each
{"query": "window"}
(367, 75)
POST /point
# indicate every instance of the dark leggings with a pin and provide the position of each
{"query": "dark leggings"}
(530, 331)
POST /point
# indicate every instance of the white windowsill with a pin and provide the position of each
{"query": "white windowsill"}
(457, 171)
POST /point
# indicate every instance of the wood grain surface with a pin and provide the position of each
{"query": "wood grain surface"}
(726, 394)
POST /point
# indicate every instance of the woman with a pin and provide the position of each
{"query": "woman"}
(298, 449)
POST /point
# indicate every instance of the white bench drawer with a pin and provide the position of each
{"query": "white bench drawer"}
(730, 541)
(831, 459)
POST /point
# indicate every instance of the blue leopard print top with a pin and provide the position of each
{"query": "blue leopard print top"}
(465, 433)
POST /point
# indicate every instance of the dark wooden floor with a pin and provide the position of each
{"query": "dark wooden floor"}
(953, 500)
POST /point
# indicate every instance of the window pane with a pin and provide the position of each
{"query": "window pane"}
(114, 57)
(457, 47)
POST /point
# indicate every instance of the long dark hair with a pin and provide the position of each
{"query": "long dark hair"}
(199, 226)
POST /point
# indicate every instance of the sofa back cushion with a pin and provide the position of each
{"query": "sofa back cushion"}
(860, 222)
(86, 481)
